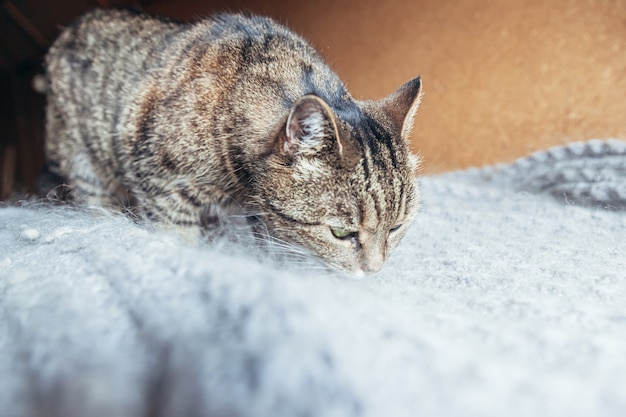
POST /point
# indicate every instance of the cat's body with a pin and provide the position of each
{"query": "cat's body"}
(176, 119)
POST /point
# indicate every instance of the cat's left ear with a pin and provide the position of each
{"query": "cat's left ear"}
(402, 104)
(310, 127)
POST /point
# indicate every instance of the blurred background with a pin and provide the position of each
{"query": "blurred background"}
(502, 78)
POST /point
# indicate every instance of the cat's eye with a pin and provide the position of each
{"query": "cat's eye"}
(341, 233)
(395, 228)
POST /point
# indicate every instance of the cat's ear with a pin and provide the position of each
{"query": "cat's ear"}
(310, 127)
(402, 104)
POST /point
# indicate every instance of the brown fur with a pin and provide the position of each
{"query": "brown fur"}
(238, 112)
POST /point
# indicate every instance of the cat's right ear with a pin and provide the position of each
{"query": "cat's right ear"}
(402, 105)
(310, 128)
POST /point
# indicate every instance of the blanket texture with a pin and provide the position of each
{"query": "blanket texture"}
(507, 297)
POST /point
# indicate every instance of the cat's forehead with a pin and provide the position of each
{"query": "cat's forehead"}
(373, 136)
(378, 184)
(384, 157)
(383, 197)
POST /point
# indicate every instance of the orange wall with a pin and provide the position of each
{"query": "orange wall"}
(502, 78)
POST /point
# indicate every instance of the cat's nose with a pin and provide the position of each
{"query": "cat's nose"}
(372, 253)
(372, 264)
(370, 269)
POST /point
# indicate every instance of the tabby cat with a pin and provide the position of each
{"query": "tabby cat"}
(234, 112)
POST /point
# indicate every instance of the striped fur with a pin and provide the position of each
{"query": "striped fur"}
(175, 119)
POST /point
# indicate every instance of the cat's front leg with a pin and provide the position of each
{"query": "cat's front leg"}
(90, 186)
(194, 216)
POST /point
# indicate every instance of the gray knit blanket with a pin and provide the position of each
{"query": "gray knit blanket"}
(506, 298)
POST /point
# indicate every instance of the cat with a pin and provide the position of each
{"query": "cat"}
(233, 111)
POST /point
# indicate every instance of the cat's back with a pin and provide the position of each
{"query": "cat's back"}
(118, 51)
(115, 43)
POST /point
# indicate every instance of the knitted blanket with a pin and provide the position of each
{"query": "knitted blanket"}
(507, 297)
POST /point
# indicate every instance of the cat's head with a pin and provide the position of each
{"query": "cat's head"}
(340, 182)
